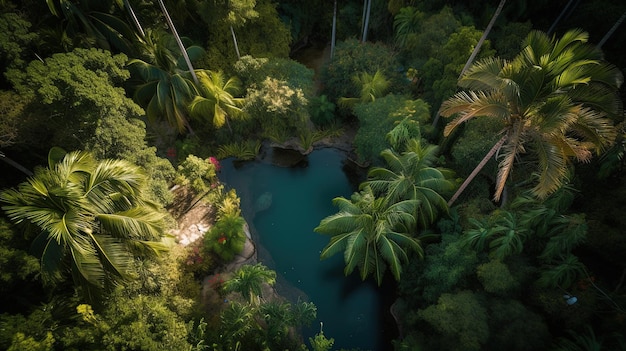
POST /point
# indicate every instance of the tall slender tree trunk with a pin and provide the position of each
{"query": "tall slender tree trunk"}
(363, 17)
(366, 22)
(168, 19)
(568, 8)
(232, 31)
(611, 31)
(333, 34)
(477, 170)
(476, 49)
(18, 166)
(134, 18)
(482, 38)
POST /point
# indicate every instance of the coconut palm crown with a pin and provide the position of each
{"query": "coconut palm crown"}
(555, 99)
(373, 234)
(89, 219)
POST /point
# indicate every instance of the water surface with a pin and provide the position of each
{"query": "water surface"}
(300, 198)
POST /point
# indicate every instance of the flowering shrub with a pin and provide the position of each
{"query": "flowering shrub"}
(216, 163)
(226, 237)
(197, 260)
(198, 173)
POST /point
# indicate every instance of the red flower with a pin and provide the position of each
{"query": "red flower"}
(221, 240)
(171, 152)
(215, 163)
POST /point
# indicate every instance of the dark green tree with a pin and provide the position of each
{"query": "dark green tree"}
(372, 233)
(553, 89)
(412, 175)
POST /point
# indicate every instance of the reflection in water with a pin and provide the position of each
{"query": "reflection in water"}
(283, 230)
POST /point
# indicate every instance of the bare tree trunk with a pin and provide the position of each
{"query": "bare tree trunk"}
(333, 35)
(18, 166)
(232, 31)
(366, 21)
(611, 31)
(363, 17)
(482, 38)
(563, 12)
(477, 170)
(178, 41)
(134, 18)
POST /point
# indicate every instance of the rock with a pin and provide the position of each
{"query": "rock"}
(263, 202)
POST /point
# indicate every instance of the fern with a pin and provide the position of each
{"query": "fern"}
(245, 150)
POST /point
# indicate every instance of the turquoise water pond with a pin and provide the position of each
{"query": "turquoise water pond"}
(282, 206)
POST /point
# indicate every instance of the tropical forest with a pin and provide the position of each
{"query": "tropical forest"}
(446, 175)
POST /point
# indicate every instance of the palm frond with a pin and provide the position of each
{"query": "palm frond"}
(509, 151)
(470, 105)
(483, 75)
(593, 126)
(137, 223)
(552, 168)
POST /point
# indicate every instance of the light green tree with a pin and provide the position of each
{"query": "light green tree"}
(70, 93)
(217, 100)
(90, 218)
(248, 281)
(371, 87)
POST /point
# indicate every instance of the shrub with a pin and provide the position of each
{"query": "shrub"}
(227, 237)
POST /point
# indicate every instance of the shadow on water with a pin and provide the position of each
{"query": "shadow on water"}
(355, 313)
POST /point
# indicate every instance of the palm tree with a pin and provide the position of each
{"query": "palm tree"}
(126, 4)
(367, 8)
(237, 320)
(93, 19)
(216, 100)
(405, 23)
(248, 281)
(502, 233)
(371, 87)
(411, 176)
(90, 219)
(554, 99)
(372, 234)
(165, 89)
(612, 30)
(179, 41)
(239, 12)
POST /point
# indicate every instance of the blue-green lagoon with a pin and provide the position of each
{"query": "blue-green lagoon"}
(282, 206)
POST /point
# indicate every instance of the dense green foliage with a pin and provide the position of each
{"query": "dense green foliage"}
(85, 259)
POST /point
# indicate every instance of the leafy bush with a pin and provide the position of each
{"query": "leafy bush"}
(496, 277)
(322, 110)
(198, 173)
(226, 238)
(277, 107)
(352, 56)
(379, 117)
